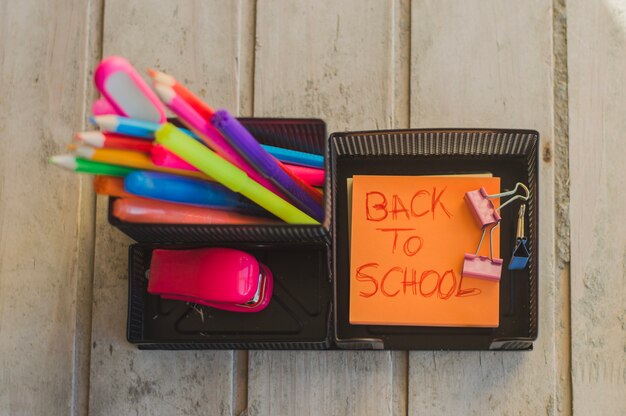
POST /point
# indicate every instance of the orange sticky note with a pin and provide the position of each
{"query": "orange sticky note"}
(409, 237)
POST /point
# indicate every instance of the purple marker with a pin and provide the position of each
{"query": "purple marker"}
(248, 147)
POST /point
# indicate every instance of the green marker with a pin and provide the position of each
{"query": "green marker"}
(78, 164)
(227, 174)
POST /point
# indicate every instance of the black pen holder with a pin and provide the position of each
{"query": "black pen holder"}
(311, 263)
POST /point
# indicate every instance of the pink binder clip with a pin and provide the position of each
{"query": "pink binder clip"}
(222, 278)
(483, 210)
(482, 267)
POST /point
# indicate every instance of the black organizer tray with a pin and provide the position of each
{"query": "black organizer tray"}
(511, 155)
(298, 316)
(306, 135)
(319, 255)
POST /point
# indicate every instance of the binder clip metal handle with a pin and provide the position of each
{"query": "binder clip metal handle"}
(483, 210)
(521, 255)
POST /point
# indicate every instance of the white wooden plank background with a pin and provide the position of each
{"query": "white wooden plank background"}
(307, 64)
(488, 64)
(597, 64)
(358, 65)
(199, 43)
(46, 215)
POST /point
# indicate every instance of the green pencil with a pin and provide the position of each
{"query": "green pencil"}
(78, 164)
(228, 174)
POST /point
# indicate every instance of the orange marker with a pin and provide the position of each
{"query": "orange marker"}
(110, 185)
(142, 210)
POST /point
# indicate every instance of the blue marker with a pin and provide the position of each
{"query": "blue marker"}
(174, 188)
(295, 157)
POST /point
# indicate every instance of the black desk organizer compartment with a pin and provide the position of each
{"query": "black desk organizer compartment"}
(511, 155)
(298, 317)
(307, 254)
(306, 135)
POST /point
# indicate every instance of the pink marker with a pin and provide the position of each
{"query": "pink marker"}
(127, 92)
(210, 135)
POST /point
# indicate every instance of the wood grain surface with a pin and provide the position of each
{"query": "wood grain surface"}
(357, 64)
(488, 64)
(597, 63)
(199, 43)
(46, 215)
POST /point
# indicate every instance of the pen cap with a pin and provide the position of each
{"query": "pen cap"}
(246, 144)
(126, 91)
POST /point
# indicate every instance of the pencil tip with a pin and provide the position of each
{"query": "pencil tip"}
(92, 138)
(85, 152)
(164, 92)
(64, 161)
(161, 77)
(105, 122)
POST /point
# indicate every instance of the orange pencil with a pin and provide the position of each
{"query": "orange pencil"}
(132, 159)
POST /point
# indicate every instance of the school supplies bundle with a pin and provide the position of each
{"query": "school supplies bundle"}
(397, 259)
(213, 171)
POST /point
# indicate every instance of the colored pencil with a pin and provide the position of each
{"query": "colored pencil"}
(127, 126)
(114, 141)
(195, 102)
(81, 165)
(131, 159)
(295, 157)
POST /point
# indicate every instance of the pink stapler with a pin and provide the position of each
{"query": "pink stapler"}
(221, 278)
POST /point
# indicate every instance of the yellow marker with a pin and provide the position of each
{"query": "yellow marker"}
(228, 174)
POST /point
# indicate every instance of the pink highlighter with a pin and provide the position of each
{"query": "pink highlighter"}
(221, 278)
(126, 92)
